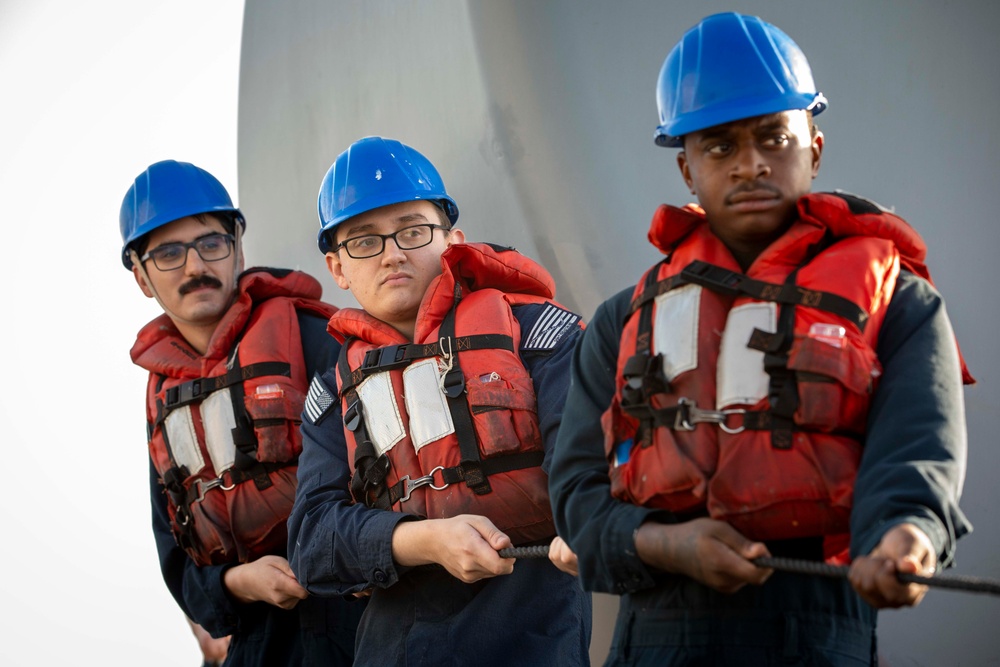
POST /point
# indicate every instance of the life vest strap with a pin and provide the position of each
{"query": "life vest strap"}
(397, 356)
(194, 391)
(732, 283)
(655, 289)
(401, 490)
(686, 415)
(182, 497)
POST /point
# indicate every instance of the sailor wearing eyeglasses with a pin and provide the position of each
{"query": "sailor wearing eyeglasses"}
(426, 447)
(229, 363)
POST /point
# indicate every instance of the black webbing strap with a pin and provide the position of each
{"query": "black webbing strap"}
(724, 281)
(370, 468)
(473, 474)
(643, 372)
(173, 483)
(495, 465)
(260, 473)
(234, 477)
(644, 334)
(651, 291)
(193, 391)
(182, 497)
(244, 437)
(783, 387)
(456, 474)
(397, 356)
(750, 420)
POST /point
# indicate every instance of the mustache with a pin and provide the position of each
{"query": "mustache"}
(751, 186)
(200, 281)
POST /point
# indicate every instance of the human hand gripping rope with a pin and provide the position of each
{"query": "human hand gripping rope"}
(956, 582)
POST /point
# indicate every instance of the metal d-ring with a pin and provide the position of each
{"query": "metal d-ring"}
(732, 431)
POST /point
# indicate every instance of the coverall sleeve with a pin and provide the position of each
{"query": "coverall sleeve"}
(319, 348)
(549, 370)
(336, 547)
(599, 528)
(913, 464)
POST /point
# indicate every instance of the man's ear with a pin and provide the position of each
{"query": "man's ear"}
(336, 270)
(682, 164)
(141, 282)
(817, 152)
(456, 236)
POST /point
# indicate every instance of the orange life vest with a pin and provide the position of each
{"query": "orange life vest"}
(447, 424)
(745, 395)
(225, 426)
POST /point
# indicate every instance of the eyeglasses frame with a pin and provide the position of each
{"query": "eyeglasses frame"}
(230, 244)
(384, 237)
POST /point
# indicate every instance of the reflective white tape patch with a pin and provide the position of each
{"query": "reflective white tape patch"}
(549, 328)
(179, 426)
(430, 418)
(675, 329)
(741, 379)
(382, 418)
(318, 400)
(218, 420)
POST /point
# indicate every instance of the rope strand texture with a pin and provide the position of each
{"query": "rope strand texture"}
(954, 582)
(540, 551)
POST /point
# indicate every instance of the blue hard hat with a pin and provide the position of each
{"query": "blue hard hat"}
(169, 191)
(730, 67)
(375, 172)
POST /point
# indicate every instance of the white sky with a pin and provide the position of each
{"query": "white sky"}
(90, 94)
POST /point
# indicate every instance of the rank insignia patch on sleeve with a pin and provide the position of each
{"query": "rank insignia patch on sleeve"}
(552, 325)
(319, 400)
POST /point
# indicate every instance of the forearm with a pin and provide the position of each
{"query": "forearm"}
(336, 547)
(597, 527)
(914, 460)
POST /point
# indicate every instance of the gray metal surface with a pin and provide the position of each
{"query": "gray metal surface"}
(540, 117)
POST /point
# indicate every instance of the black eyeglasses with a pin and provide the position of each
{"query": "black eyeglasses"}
(407, 238)
(172, 256)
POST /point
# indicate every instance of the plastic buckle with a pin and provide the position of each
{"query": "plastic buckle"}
(384, 358)
(189, 391)
(352, 416)
(454, 383)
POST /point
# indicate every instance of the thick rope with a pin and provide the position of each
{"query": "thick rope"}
(540, 551)
(954, 581)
